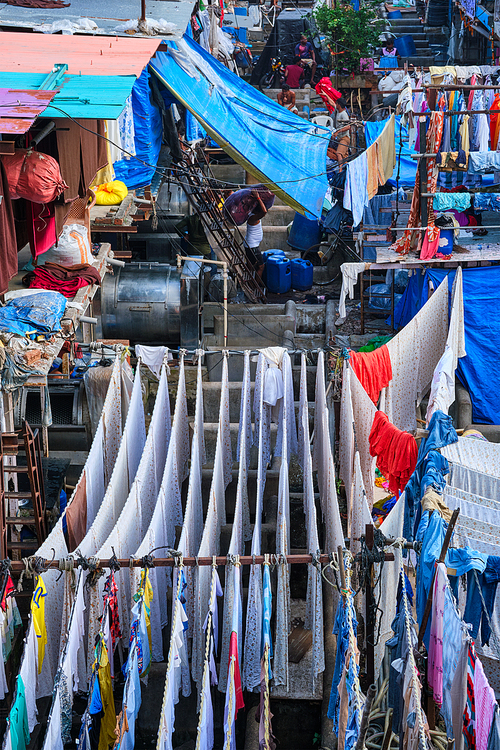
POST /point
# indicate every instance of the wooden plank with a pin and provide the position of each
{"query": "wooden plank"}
(125, 208)
(7, 147)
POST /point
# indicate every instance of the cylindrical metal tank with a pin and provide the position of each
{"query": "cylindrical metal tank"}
(142, 302)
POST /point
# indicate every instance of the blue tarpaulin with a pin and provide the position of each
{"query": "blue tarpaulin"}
(33, 314)
(408, 166)
(148, 129)
(479, 371)
(273, 144)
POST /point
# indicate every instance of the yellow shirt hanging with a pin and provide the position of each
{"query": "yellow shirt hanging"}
(38, 614)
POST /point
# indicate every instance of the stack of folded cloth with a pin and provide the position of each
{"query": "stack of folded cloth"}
(64, 279)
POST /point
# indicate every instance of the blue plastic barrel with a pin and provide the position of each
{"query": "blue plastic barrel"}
(267, 254)
(446, 238)
(394, 14)
(304, 233)
(279, 274)
(302, 274)
(405, 45)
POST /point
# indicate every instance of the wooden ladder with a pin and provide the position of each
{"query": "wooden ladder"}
(10, 444)
(206, 200)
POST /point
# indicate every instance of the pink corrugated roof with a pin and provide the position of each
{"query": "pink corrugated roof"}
(88, 55)
(18, 109)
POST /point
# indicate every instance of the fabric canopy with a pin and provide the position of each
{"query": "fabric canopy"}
(273, 144)
(479, 371)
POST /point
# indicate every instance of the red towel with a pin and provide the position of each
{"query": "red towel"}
(64, 279)
(396, 452)
(373, 369)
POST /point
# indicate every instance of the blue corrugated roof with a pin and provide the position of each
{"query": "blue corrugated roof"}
(82, 97)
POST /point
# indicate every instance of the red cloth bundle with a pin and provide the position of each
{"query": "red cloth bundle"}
(64, 279)
(373, 370)
(396, 452)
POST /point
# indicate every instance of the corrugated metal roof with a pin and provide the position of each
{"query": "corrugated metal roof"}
(84, 55)
(82, 97)
(108, 14)
(20, 108)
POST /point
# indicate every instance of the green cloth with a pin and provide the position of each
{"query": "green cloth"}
(19, 730)
(375, 343)
(195, 234)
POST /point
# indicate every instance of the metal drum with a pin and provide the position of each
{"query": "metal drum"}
(142, 302)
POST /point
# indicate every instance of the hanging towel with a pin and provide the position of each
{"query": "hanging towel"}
(396, 452)
(356, 191)
(350, 272)
(373, 370)
(458, 201)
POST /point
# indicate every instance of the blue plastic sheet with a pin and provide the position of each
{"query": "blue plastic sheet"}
(33, 313)
(479, 371)
(273, 144)
(408, 166)
(148, 135)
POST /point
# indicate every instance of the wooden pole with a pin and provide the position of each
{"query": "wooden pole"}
(192, 562)
(441, 559)
(369, 618)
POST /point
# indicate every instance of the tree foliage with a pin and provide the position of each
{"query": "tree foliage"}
(353, 34)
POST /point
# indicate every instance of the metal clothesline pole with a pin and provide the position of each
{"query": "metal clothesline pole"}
(17, 566)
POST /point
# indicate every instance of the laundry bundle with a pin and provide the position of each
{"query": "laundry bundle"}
(64, 279)
(396, 452)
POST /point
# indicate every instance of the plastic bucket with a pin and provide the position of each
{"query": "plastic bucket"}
(446, 240)
(279, 275)
(302, 274)
(405, 45)
(394, 14)
(304, 233)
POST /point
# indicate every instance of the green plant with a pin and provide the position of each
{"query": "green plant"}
(350, 34)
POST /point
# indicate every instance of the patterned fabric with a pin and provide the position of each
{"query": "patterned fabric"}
(314, 597)
(410, 240)
(470, 707)
(324, 465)
(216, 518)
(111, 601)
(252, 652)
(415, 351)
(283, 537)
(435, 666)
(241, 521)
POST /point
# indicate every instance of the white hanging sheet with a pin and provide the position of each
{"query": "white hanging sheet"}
(363, 410)
(324, 465)
(216, 518)
(314, 598)
(387, 577)
(442, 393)
(415, 351)
(167, 514)
(136, 514)
(241, 523)
(283, 540)
(192, 528)
(251, 663)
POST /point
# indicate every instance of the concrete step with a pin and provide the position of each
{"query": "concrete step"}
(270, 489)
(278, 216)
(211, 402)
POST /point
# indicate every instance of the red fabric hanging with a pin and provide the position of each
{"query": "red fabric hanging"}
(373, 370)
(396, 452)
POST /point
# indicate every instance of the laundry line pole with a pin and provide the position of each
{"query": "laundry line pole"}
(17, 566)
